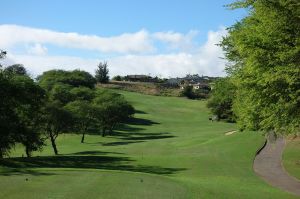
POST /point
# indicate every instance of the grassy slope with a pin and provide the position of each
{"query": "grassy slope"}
(172, 151)
(291, 157)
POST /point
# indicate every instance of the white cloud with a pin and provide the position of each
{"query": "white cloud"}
(204, 59)
(37, 49)
(125, 43)
(175, 39)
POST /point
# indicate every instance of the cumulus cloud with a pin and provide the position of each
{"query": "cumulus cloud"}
(176, 40)
(125, 43)
(204, 59)
(37, 49)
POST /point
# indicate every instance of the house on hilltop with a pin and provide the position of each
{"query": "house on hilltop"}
(138, 78)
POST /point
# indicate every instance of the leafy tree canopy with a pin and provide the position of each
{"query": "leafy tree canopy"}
(264, 54)
(74, 78)
(221, 99)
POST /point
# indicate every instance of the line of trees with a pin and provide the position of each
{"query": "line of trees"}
(263, 50)
(32, 112)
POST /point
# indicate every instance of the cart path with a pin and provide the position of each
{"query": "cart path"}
(268, 165)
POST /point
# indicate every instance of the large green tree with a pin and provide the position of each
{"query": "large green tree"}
(20, 102)
(264, 54)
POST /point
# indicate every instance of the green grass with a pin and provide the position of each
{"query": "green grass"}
(291, 158)
(171, 150)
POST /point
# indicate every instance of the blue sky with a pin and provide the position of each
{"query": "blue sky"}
(166, 37)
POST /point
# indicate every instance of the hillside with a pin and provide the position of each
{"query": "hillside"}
(170, 150)
(148, 88)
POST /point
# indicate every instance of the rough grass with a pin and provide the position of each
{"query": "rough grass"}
(171, 150)
(148, 88)
(291, 157)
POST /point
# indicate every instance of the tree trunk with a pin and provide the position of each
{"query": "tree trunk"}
(28, 152)
(103, 132)
(53, 144)
(110, 131)
(82, 138)
(1, 154)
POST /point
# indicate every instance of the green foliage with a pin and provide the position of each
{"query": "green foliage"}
(17, 69)
(221, 99)
(20, 103)
(55, 120)
(82, 93)
(79, 106)
(62, 88)
(74, 78)
(83, 113)
(102, 73)
(111, 110)
(264, 51)
(117, 78)
(61, 93)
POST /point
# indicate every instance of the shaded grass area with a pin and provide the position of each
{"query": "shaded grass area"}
(170, 150)
(84, 162)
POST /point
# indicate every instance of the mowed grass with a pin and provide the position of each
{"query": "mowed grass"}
(291, 158)
(171, 150)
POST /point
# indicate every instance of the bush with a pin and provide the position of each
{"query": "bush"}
(188, 92)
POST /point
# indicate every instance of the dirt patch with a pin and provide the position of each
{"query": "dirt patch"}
(230, 132)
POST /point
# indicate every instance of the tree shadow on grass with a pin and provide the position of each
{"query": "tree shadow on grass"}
(154, 136)
(140, 112)
(24, 171)
(120, 143)
(141, 136)
(94, 153)
(84, 162)
(141, 121)
(127, 128)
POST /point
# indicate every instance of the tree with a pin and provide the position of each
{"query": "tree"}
(221, 99)
(61, 92)
(83, 115)
(2, 54)
(188, 92)
(102, 73)
(82, 93)
(117, 78)
(29, 112)
(74, 78)
(263, 50)
(20, 101)
(55, 120)
(111, 109)
(17, 69)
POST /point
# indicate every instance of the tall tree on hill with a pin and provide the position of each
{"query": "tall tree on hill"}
(264, 54)
(102, 73)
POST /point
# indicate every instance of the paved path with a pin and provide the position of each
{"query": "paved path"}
(268, 165)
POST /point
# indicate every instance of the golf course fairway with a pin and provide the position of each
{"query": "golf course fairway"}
(170, 150)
